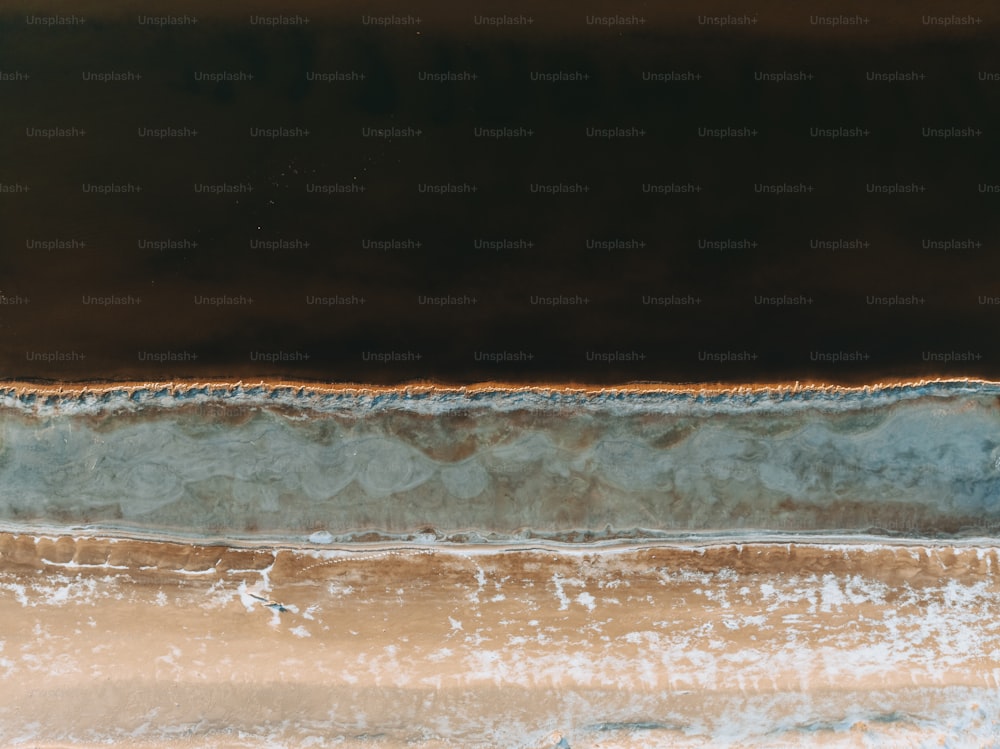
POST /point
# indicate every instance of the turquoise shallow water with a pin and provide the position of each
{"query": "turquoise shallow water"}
(920, 460)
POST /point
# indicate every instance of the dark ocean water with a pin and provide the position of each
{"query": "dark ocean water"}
(728, 283)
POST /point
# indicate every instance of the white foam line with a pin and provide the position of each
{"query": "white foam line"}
(503, 399)
(863, 544)
(687, 540)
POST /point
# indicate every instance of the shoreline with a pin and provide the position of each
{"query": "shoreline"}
(426, 398)
(71, 388)
(701, 541)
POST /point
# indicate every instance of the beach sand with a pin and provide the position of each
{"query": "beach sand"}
(163, 644)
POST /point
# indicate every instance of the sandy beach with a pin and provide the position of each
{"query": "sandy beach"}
(165, 644)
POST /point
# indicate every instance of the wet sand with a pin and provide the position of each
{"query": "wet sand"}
(163, 644)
